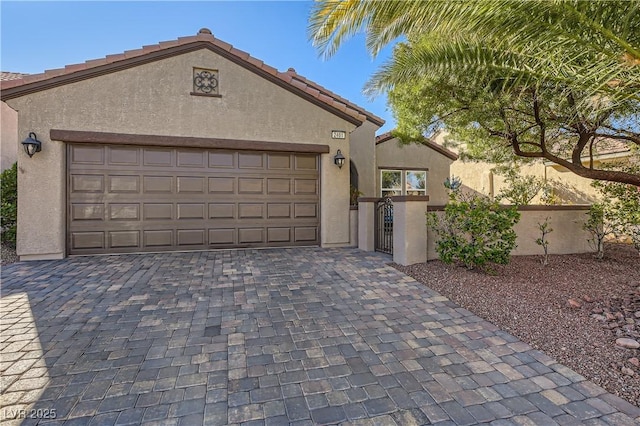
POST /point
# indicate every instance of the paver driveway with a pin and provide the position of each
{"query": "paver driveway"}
(284, 336)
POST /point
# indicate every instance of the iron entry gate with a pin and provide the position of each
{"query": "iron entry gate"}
(384, 226)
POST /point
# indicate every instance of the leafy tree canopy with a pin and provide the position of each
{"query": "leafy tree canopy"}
(552, 79)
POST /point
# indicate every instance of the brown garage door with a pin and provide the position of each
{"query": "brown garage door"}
(132, 199)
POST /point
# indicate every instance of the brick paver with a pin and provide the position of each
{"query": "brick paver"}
(269, 337)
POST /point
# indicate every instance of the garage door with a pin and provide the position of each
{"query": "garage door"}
(136, 199)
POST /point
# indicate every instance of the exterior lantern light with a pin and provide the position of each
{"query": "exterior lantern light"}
(339, 159)
(31, 144)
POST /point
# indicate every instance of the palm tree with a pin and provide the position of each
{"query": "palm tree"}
(513, 55)
(594, 45)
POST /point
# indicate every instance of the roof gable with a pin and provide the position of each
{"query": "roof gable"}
(426, 142)
(288, 80)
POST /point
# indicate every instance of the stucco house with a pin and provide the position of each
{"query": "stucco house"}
(189, 144)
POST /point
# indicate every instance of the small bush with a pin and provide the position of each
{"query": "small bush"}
(474, 231)
(597, 227)
(542, 241)
(9, 205)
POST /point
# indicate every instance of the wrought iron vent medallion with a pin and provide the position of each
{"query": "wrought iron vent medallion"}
(205, 81)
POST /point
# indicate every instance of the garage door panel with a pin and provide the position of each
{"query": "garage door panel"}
(308, 233)
(190, 237)
(222, 159)
(279, 161)
(250, 235)
(250, 211)
(222, 211)
(226, 236)
(124, 183)
(122, 239)
(124, 211)
(191, 158)
(278, 235)
(222, 185)
(157, 211)
(158, 199)
(306, 162)
(191, 184)
(306, 210)
(158, 238)
(305, 186)
(248, 160)
(191, 211)
(158, 184)
(87, 183)
(87, 240)
(278, 211)
(250, 185)
(156, 157)
(123, 156)
(279, 186)
(84, 154)
(87, 211)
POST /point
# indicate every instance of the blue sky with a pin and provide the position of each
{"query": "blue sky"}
(44, 35)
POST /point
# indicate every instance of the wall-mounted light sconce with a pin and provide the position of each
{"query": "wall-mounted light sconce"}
(31, 144)
(338, 159)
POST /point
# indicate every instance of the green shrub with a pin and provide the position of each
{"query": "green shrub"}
(9, 207)
(621, 207)
(520, 188)
(474, 231)
(597, 227)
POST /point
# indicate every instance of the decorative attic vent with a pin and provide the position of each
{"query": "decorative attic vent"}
(205, 82)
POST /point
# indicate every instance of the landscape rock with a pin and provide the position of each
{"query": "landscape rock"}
(588, 299)
(634, 361)
(627, 343)
(573, 303)
(627, 371)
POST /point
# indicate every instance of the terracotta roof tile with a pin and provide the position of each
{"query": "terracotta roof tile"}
(291, 78)
(239, 53)
(75, 67)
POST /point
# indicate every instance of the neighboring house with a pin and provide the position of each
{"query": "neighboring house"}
(9, 127)
(189, 144)
(566, 187)
(412, 169)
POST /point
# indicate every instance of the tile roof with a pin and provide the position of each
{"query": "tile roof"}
(6, 75)
(289, 79)
(436, 147)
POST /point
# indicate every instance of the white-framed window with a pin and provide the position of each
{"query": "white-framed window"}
(391, 182)
(416, 182)
(403, 182)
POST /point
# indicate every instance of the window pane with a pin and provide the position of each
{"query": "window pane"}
(391, 179)
(416, 183)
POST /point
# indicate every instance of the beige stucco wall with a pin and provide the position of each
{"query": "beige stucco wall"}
(391, 154)
(8, 136)
(155, 99)
(567, 235)
(363, 154)
(568, 188)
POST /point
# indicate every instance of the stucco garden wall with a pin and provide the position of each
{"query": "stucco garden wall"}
(391, 154)
(566, 222)
(8, 136)
(568, 188)
(154, 99)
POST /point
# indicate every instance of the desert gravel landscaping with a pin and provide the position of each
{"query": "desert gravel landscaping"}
(574, 309)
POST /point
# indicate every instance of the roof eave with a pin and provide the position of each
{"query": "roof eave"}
(107, 68)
